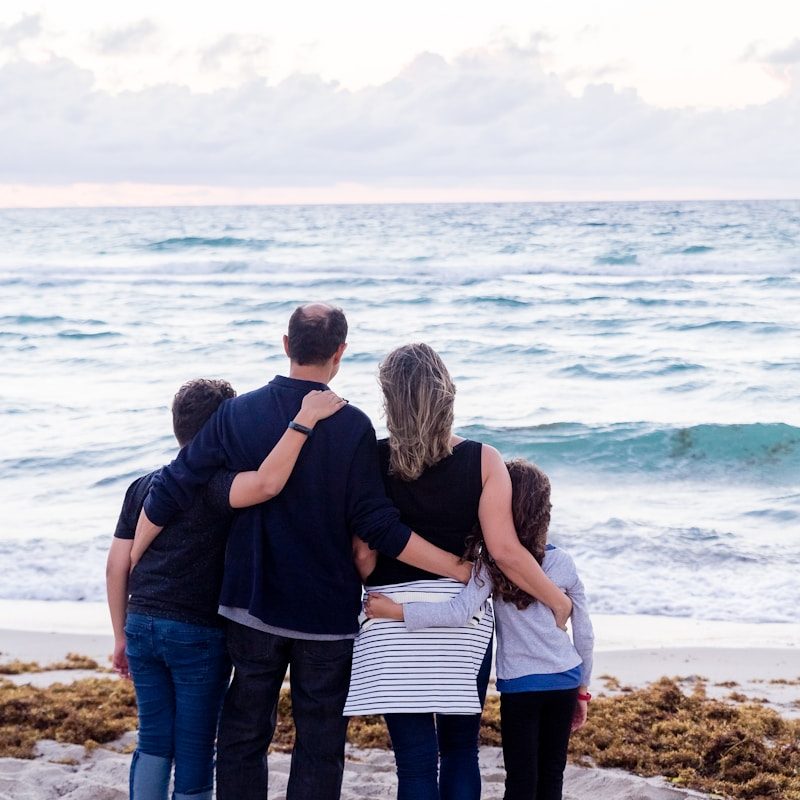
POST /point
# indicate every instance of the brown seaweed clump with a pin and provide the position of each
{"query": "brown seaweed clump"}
(71, 661)
(88, 712)
(745, 751)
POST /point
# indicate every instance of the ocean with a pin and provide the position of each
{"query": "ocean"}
(646, 355)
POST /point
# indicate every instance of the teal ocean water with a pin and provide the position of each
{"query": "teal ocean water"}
(645, 354)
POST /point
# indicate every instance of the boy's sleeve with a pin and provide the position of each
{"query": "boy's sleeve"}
(582, 631)
(218, 491)
(370, 514)
(454, 613)
(131, 506)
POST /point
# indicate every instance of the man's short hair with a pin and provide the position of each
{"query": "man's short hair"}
(314, 337)
(194, 403)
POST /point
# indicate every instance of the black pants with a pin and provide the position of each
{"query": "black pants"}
(320, 677)
(535, 727)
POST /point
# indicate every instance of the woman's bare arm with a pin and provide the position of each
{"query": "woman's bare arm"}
(514, 560)
(258, 486)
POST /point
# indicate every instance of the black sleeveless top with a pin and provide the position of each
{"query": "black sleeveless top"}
(441, 506)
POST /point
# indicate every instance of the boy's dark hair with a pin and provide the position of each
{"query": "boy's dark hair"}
(314, 337)
(530, 508)
(194, 403)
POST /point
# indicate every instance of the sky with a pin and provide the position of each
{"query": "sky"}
(184, 103)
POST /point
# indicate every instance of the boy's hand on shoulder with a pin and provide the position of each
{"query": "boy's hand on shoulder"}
(318, 405)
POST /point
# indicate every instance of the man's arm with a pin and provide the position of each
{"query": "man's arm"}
(117, 569)
(174, 487)
(497, 524)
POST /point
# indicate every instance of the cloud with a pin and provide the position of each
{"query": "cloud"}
(786, 55)
(29, 26)
(490, 118)
(783, 56)
(128, 39)
(246, 50)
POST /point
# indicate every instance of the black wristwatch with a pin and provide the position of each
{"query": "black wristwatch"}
(296, 426)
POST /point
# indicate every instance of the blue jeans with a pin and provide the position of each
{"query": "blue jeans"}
(180, 673)
(437, 754)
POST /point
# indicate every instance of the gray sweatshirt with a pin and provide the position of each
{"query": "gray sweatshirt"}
(528, 641)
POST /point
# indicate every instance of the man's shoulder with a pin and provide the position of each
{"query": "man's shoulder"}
(354, 415)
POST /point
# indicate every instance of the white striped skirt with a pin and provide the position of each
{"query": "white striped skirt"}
(432, 670)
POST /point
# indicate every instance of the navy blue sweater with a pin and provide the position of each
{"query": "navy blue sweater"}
(289, 561)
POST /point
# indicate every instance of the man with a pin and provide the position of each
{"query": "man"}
(291, 593)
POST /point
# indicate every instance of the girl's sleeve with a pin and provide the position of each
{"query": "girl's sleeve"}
(454, 613)
(582, 631)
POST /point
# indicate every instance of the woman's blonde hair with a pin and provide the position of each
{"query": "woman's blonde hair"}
(418, 397)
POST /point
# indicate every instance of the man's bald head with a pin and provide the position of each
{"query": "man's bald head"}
(316, 331)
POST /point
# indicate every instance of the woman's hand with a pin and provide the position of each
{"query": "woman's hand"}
(380, 606)
(319, 405)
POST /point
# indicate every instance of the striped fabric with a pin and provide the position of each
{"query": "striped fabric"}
(432, 670)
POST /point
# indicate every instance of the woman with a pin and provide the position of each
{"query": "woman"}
(430, 685)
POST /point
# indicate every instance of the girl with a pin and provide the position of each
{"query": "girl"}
(430, 685)
(167, 634)
(542, 676)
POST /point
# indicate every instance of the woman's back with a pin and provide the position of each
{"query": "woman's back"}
(441, 506)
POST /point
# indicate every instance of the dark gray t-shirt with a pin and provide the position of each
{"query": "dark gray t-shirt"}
(180, 575)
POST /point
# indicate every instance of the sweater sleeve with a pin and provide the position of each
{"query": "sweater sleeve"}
(173, 489)
(454, 613)
(370, 514)
(582, 631)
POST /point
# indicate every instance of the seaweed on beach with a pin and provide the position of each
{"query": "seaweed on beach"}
(71, 661)
(88, 712)
(742, 751)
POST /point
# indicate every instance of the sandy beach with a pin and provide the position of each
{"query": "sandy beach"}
(635, 651)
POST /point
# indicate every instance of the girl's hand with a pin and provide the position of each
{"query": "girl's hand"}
(380, 606)
(580, 715)
(319, 405)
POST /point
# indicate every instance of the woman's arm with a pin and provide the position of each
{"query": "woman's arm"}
(254, 487)
(117, 569)
(365, 558)
(514, 560)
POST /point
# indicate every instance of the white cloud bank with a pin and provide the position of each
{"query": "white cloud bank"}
(491, 122)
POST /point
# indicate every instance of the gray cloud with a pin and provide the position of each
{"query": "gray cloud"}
(127, 39)
(28, 26)
(488, 119)
(786, 55)
(245, 49)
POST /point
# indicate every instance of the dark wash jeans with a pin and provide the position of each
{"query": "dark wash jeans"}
(320, 677)
(180, 673)
(437, 754)
(535, 727)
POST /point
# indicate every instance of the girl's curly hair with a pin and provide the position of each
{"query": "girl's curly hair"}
(530, 507)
